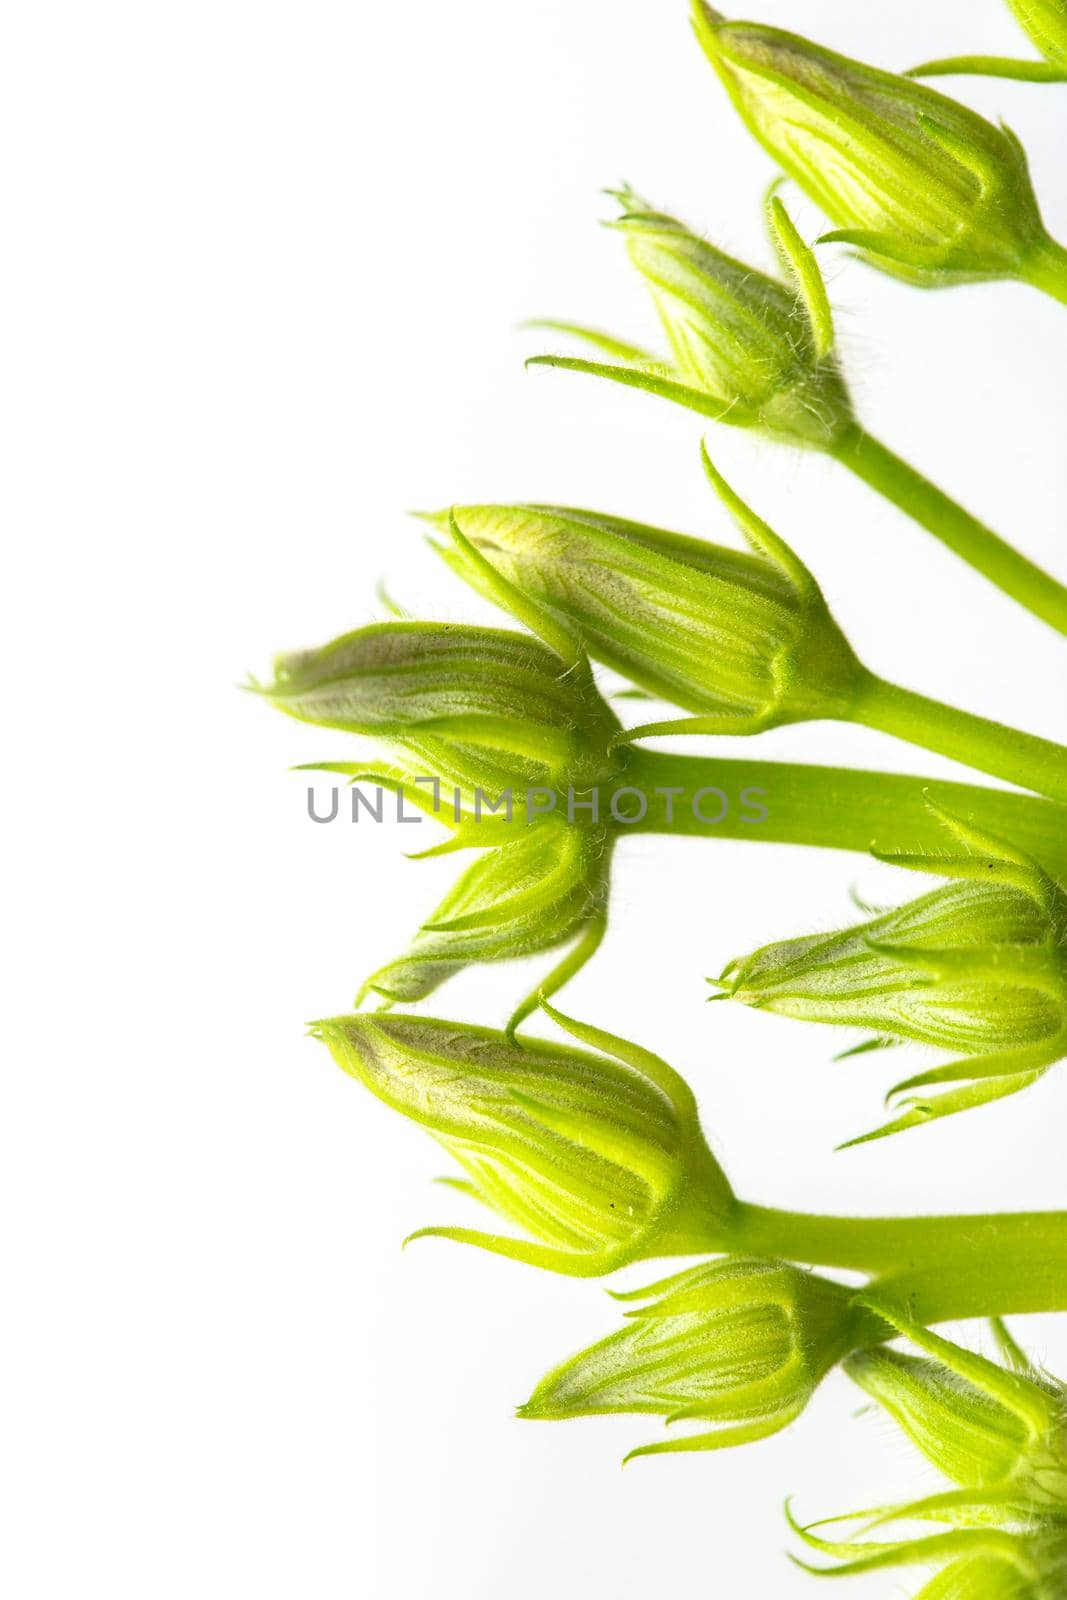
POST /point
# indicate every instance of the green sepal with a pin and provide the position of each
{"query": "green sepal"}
(800, 261)
(991, 67)
(544, 885)
(731, 411)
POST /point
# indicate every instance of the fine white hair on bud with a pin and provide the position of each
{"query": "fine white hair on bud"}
(998, 1432)
(745, 348)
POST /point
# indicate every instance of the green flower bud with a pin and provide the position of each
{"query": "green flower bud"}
(741, 1343)
(998, 1433)
(543, 886)
(599, 1158)
(405, 682)
(746, 349)
(478, 720)
(924, 187)
(979, 965)
(745, 640)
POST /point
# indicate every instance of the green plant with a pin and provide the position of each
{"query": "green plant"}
(590, 1153)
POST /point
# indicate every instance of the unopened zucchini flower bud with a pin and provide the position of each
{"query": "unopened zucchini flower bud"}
(998, 1432)
(742, 638)
(513, 699)
(922, 186)
(978, 965)
(484, 728)
(746, 349)
(744, 641)
(741, 1344)
(1046, 23)
(596, 1155)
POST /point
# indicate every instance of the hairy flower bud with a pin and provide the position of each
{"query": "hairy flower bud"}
(744, 640)
(924, 187)
(979, 965)
(541, 887)
(745, 348)
(498, 691)
(741, 1343)
(599, 1158)
(485, 727)
(999, 1433)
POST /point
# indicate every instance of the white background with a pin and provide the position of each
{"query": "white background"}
(263, 265)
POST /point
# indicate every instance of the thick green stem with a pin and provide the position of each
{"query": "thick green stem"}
(941, 1268)
(829, 807)
(978, 545)
(1046, 269)
(1022, 758)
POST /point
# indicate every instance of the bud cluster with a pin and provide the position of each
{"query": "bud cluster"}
(589, 1152)
(503, 721)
